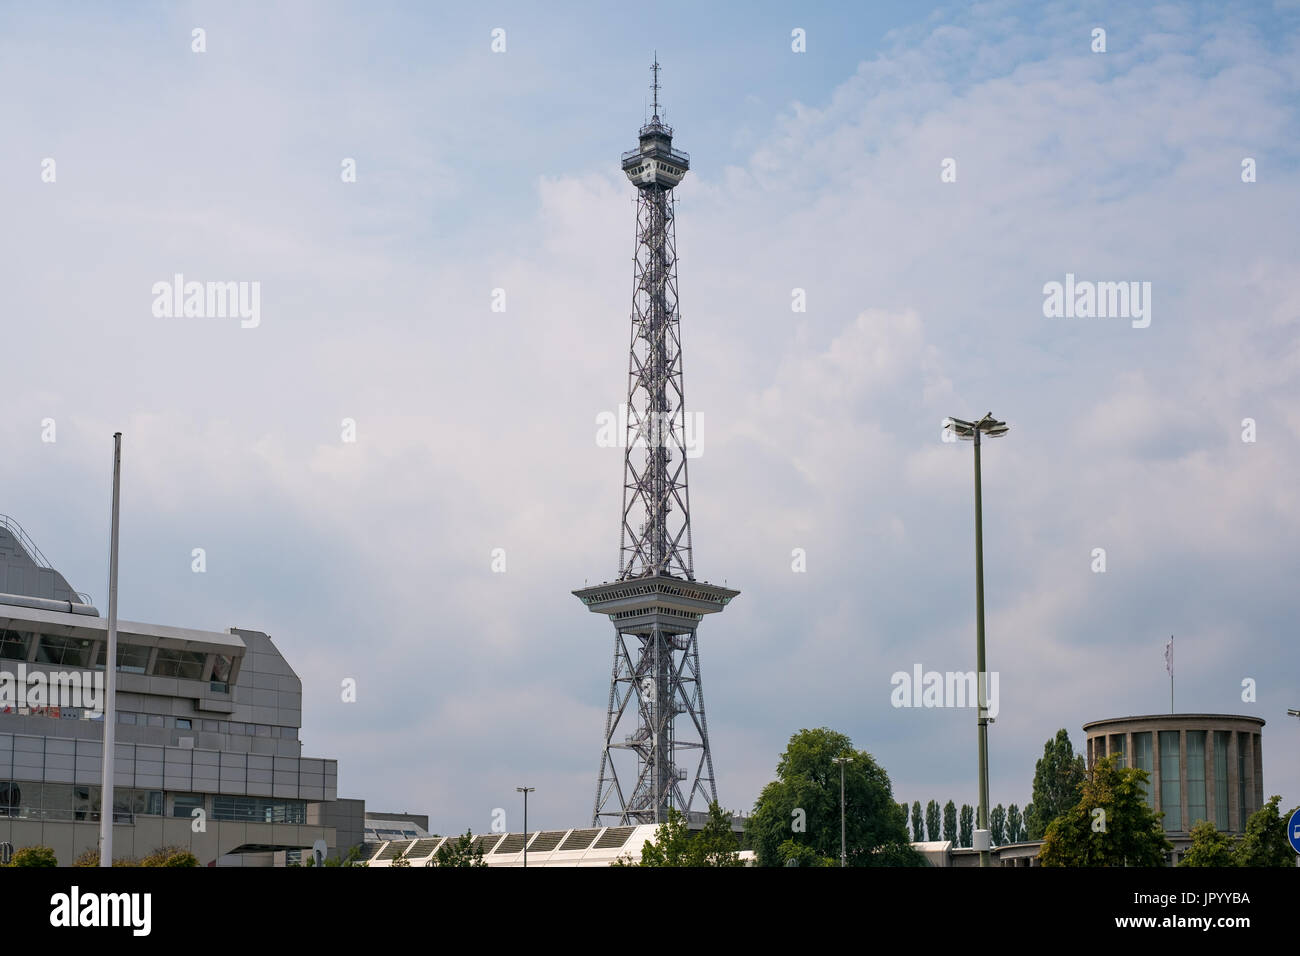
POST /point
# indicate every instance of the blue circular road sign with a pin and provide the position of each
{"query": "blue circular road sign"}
(1293, 831)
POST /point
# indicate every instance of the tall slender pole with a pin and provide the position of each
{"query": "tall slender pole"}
(843, 857)
(1171, 673)
(525, 791)
(110, 672)
(843, 853)
(981, 680)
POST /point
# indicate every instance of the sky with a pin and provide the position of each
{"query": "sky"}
(920, 172)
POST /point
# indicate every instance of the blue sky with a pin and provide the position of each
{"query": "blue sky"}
(817, 170)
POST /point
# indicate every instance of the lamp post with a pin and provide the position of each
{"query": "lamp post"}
(525, 791)
(971, 431)
(842, 761)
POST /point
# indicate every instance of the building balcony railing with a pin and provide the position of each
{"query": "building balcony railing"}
(680, 156)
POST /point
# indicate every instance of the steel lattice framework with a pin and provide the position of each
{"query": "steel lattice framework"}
(655, 604)
(656, 534)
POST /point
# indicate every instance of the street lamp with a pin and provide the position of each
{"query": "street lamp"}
(842, 761)
(525, 791)
(971, 431)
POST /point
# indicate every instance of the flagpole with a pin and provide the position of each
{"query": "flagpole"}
(110, 672)
(1171, 673)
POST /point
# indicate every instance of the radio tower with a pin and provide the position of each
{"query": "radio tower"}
(661, 757)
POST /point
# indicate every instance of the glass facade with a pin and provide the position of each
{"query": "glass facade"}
(14, 645)
(1221, 779)
(64, 651)
(1170, 791)
(1196, 807)
(131, 658)
(1142, 761)
(1241, 782)
(89, 653)
(68, 802)
(184, 804)
(1117, 748)
(258, 809)
(187, 665)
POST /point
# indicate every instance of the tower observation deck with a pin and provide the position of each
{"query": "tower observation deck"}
(656, 752)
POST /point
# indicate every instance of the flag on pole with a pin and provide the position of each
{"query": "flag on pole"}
(1169, 656)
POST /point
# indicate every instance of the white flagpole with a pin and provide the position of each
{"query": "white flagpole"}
(1169, 662)
(110, 673)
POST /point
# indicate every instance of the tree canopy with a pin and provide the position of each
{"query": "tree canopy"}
(1209, 847)
(675, 845)
(1057, 777)
(461, 851)
(1265, 842)
(797, 816)
(1111, 823)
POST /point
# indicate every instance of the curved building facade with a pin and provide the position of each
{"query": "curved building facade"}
(1200, 766)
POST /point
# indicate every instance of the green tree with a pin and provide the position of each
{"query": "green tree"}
(1209, 847)
(34, 856)
(802, 855)
(675, 845)
(1265, 842)
(950, 822)
(1015, 825)
(932, 821)
(918, 823)
(353, 858)
(998, 825)
(459, 851)
(803, 805)
(966, 831)
(1127, 832)
(1057, 778)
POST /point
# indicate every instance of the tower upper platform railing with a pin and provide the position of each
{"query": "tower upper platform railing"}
(680, 155)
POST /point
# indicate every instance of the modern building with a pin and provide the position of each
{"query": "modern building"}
(382, 827)
(207, 750)
(1201, 767)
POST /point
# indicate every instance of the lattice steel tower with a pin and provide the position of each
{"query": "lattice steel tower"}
(655, 604)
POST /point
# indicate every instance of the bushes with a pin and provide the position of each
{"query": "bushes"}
(163, 856)
(34, 856)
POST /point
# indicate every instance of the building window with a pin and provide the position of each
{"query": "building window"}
(1142, 761)
(1196, 811)
(1117, 748)
(1241, 782)
(258, 810)
(1221, 779)
(131, 658)
(14, 645)
(187, 665)
(183, 723)
(184, 804)
(221, 670)
(1170, 792)
(125, 718)
(64, 651)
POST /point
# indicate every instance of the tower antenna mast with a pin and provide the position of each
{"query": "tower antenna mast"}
(660, 760)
